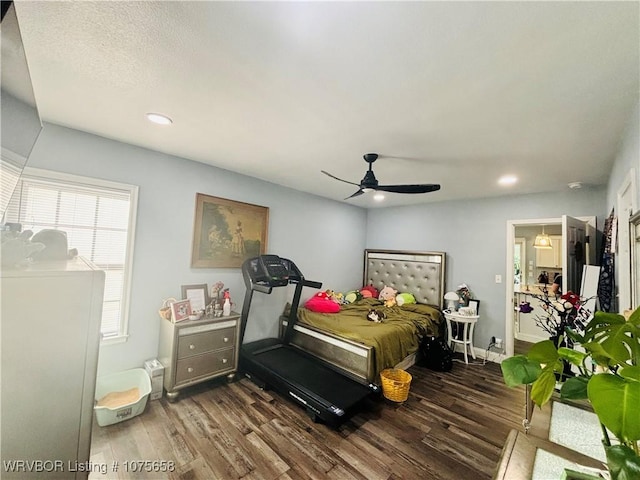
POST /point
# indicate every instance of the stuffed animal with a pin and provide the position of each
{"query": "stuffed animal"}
(334, 296)
(369, 292)
(405, 299)
(375, 316)
(352, 296)
(388, 296)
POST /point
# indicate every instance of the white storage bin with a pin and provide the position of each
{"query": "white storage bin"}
(120, 382)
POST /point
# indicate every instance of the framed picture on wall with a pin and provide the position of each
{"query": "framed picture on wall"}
(227, 232)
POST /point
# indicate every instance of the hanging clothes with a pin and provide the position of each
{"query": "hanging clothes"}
(606, 284)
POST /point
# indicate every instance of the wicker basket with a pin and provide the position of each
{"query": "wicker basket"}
(165, 310)
(395, 384)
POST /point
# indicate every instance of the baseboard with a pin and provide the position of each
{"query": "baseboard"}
(529, 338)
(492, 356)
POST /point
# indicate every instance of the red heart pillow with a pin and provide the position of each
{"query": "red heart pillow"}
(322, 304)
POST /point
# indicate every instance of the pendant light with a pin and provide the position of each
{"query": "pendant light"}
(542, 240)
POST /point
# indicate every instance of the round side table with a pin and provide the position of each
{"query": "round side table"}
(468, 322)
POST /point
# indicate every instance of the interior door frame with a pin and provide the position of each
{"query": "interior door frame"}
(511, 228)
(626, 206)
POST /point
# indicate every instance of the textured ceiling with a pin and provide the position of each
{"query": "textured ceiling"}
(456, 93)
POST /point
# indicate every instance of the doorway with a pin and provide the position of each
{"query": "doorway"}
(573, 246)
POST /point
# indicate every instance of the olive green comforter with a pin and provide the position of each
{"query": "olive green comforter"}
(393, 339)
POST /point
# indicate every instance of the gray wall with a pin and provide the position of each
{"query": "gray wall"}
(628, 157)
(324, 238)
(473, 234)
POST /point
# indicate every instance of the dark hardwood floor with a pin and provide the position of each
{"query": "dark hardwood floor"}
(521, 347)
(452, 426)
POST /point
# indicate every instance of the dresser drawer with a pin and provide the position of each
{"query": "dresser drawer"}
(206, 364)
(198, 343)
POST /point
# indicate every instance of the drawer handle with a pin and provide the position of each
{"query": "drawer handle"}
(225, 339)
(190, 369)
(192, 346)
(224, 360)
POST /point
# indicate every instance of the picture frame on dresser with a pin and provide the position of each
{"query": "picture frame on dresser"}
(475, 304)
(198, 295)
(180, 310)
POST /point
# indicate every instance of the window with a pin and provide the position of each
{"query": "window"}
(99, 220)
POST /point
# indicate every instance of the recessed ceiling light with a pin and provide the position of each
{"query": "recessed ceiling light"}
(378, 197)
(159, 118)
(574, 185)
(507, 180)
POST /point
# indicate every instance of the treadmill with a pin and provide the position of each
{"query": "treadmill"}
(327, 394)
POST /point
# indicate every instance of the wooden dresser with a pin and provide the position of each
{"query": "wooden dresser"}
(193, 351)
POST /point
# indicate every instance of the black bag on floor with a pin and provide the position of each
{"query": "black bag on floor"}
(436, 354)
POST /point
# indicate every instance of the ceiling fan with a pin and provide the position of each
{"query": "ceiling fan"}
(369, 182)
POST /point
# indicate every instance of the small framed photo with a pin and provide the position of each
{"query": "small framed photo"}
(198, 295)
(475, 305)
(180, 310)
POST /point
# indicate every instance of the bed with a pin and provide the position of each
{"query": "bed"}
(363, 348)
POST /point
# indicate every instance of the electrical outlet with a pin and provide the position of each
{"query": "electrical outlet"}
(498, 343)
(498, 278)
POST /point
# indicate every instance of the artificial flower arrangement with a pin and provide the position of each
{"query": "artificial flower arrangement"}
(568, 311)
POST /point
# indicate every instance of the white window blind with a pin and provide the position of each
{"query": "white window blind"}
(98, 218)
(10, 168)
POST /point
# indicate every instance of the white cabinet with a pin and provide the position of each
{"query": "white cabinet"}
(550, 257)
(50, 339)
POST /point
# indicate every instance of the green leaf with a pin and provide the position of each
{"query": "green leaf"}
(543, 352)
(575, 388)
(519, 370)
(542, 388)
(635, 317)
(599, 354)
(615, 400)
(572, 356)
(623, 463)
(630, 373)
(574, 336)
(620, 344)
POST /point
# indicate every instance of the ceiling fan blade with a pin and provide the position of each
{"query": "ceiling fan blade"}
(359, 192)
(425, 188)
(345, 181)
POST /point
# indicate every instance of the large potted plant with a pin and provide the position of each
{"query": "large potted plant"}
(608, 376)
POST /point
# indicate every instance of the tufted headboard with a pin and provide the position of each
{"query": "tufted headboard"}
(419, 273)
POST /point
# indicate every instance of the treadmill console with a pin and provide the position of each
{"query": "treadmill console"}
(295, 275)
(271, 269)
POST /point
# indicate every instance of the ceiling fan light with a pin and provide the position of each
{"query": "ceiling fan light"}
(367, 190)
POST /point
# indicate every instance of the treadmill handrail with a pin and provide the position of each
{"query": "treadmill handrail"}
(312, 284)
(262, 287)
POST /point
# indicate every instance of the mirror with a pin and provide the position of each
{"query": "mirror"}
(20, 122)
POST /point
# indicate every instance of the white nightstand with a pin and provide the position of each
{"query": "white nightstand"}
(468, 322)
